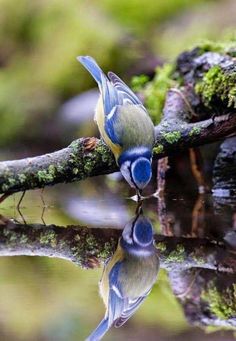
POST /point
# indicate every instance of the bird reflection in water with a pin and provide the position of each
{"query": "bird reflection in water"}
(129, 275)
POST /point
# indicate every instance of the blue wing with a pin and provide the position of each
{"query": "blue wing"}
(116, 300)
(126, 95)
(129, 309)
(115, 306)
(120, 308)
(100, 331)
(90, 64)
(109, 92)
(114, 94)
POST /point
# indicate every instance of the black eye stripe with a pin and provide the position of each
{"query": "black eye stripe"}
(131, 176)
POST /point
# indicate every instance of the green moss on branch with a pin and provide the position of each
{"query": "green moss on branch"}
(218, 84)
(80, 244)
(221, 303)
(76, 162)
(155, 91)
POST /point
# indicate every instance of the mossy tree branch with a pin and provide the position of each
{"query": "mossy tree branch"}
(88, 247)
(77, 163)
(200, 110)
(207, 297)
(202, 272)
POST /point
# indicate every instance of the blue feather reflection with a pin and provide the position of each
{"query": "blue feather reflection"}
(128, 276)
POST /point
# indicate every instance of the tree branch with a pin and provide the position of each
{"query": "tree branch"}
(76, 163)
(88, 247)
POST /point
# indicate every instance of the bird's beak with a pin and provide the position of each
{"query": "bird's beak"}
(139, 209)
(139, 194)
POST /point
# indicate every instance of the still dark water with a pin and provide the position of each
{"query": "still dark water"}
(71, 230)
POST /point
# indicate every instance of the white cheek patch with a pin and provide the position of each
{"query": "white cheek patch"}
(127, 234)
(125, 171)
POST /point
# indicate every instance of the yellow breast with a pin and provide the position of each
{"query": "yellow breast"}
(104, 285)
(99, 118)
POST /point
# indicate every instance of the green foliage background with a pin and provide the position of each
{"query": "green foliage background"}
(39, 40)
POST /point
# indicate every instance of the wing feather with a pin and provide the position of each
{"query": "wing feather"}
(121, 308)
(124, 92)
(129, 310)
(115, 94)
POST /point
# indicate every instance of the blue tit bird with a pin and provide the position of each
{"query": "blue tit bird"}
(124, 125)
(128, 276)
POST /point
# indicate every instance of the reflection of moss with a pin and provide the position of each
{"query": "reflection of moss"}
(10, 182)
(23, 239)
(217, 84)
(199, 260)
(91, 246)
(5, 187)
(13, 238)
(49, 237)
(75, 171)
(161, 247)
(177, 255)
(22, 178)
(222, 303)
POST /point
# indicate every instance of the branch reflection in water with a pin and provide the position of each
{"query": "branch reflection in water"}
(193, 248)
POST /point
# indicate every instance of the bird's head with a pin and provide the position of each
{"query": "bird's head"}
(136, 168)
(137, 236)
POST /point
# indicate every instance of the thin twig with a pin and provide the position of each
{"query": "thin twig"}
(4, 196)
(18, 207)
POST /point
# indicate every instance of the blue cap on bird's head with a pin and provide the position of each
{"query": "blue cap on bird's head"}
(137, 236)
(136, 167)
(141, 172)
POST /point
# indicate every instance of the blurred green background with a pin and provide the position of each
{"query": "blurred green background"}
(39, 41)
(46, 299)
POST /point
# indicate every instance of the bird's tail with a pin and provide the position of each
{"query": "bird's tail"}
(90, 64)
(100, 331)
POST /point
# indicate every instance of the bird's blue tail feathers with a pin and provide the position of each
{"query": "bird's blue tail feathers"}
(109, 93)
(100, 331)
(90, 64)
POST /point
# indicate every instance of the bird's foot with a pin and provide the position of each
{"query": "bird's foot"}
(137, 197)
(90, 143)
